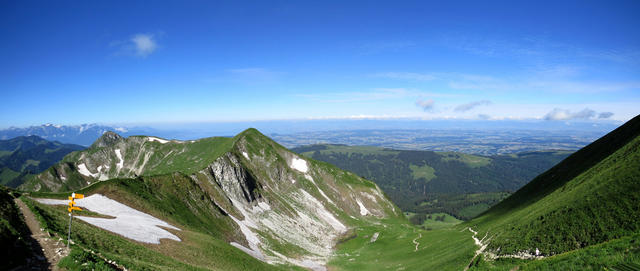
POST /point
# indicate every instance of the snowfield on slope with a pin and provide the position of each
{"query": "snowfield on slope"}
(128, 222)
(153, 138)
(299, 165)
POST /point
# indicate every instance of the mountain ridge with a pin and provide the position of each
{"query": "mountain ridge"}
(269, 202)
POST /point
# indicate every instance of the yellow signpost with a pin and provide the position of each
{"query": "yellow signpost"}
(71, 208)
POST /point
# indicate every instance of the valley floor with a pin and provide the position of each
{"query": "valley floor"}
(401, 246)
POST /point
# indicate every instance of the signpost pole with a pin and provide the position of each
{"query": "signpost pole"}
(71, 208)
(69, 234)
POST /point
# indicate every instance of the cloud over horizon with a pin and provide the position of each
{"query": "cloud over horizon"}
(471, 105)
(563, 114)
(605, 115)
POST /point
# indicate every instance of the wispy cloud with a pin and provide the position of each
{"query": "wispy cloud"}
(536, 47)
(554, 79)
(359, 96)
(145, 44)
(605, 115)
(140, 45)
(471, 105)
(406, 76)
(426, 105)
(384, 46)
(254, 75)
(562, 114)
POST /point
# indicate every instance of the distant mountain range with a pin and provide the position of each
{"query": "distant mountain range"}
(24, 156)
(84, 134)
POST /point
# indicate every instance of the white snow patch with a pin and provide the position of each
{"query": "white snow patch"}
(244, 153)
(152, 138)
(374, 237)
(363, 210)
(299, 165)
(62, 177)
(121, 161)
(128, 222)
(82, 169)
(293, 180)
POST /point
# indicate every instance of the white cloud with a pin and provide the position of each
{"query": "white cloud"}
(140, 45)
(561, 114)
(471, 105)
(426, 105)
(144, 44)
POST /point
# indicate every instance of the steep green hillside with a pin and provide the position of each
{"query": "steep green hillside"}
(589, 198)
(427, 182)
(14, 234)
(249, 194)
(24, 156)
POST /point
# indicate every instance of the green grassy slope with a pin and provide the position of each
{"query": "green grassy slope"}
(431, 182)
(401, 246)
(589, 198)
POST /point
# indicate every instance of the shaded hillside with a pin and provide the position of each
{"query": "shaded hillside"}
(14, 234)
(24, 156)
(426, 182)
(589, 198)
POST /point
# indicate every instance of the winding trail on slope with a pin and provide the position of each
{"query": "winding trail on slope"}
(481, 247)
(53, 250)
(415, 240)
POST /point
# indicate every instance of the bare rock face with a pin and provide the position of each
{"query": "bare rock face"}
(107, 139)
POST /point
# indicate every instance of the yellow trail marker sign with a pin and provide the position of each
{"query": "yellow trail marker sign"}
(70, 209)
(77, 196)
(74, 208)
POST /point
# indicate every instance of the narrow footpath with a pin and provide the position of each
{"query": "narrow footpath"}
(415, 241)
(52, 247)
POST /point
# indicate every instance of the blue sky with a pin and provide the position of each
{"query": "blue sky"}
(129, 62)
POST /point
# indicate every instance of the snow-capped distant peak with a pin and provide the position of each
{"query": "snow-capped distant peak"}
(121, 129)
